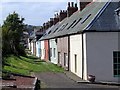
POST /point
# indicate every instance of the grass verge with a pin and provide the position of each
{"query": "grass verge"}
(26, 65)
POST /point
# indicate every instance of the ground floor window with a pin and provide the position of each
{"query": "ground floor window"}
(116, 63)
(50, 52)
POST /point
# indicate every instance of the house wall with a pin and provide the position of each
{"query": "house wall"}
(32, 47)
(29, 44)
(62, 46)
(76, 49)
(42, 50)
(38, 49)
(100, 47)
(53, 51)
(46, 43)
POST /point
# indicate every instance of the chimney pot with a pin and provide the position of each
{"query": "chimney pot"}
(54, 15)
(51, 22)
(72, 3)
(76, 5)
(51, 19)
(57, 14)
(68, 4)
(62, 15)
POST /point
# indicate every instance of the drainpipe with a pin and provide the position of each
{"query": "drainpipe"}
(82, 57)
(49, 50)
(68, 53)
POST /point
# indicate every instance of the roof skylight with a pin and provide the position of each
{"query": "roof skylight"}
(71, 24)
(85, 18)
(63, 27)
(76, 23)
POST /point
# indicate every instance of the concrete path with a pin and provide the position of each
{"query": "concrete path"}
(61, 80)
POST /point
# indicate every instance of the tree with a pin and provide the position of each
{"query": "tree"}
(12, 31)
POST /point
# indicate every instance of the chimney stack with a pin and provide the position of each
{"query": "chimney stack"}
(43, 26)
(51, 22)
(83, 4)
(63, 14)
(56, 19)
(47, 25)
(71, 9)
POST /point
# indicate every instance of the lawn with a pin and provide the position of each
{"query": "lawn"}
(27, 65)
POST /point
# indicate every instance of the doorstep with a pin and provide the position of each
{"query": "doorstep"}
(74, 77)
(80, 80)
(101, 82)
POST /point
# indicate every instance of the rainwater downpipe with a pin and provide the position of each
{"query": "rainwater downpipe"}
(68, 53)
(82, 56)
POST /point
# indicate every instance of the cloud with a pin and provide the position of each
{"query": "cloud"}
(57, 0)
(35, 13)
(36, 0)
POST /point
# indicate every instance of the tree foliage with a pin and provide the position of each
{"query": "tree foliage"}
(12, 31)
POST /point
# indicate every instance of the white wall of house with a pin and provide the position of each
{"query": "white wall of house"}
(99, 54)
(29, 44)
(76, 49)
(32, 47)
(53, 51)
(85, 74)
(42, 50)
(38, 48)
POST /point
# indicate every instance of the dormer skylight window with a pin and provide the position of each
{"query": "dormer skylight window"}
(55, 30)
(71, 24)
(76, 23)
(49, 32)
(63, 27)
(85, 18)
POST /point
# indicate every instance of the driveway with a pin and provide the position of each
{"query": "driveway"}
(60, 80)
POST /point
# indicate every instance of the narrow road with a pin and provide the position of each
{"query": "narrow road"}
(60, 80)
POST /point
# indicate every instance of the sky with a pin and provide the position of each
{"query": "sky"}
(35, 12)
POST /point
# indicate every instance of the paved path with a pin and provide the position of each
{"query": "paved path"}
(60, 80)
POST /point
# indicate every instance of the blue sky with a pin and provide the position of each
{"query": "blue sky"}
(35, 12)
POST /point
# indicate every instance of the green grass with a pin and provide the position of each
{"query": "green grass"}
(26, 65)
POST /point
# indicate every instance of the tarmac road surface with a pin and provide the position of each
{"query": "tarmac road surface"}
(60, 81)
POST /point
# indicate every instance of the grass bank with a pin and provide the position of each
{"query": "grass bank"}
(26, 65)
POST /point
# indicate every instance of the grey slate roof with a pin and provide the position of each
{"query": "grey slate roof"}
(89, 19)
(49, 33)
(32, 36)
